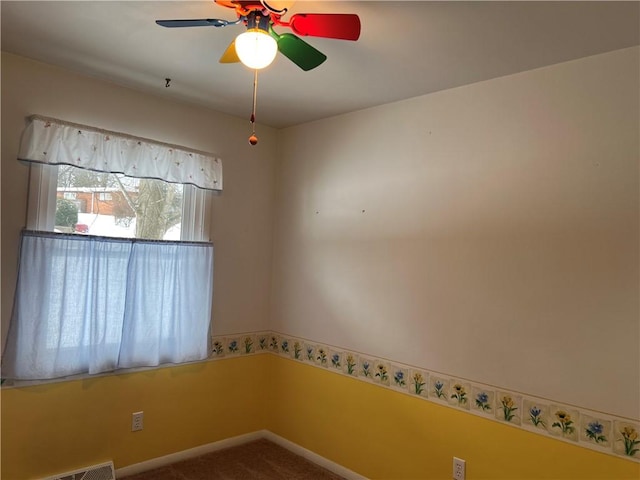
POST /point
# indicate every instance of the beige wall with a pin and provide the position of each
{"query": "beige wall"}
(242, 215)
(489, 232)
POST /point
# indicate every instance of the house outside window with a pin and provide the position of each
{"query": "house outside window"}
(132, 208)
(115, 205)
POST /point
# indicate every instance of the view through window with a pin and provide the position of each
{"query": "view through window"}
(115, 205)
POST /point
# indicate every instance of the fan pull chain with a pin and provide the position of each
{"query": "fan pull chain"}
(253, 140)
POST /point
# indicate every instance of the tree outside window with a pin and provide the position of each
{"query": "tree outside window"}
(66, 213)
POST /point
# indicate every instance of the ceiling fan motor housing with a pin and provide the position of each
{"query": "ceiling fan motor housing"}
(256, 20)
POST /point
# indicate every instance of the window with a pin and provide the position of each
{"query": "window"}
(79, 158)
(137, 290)
(136, 208)
(119, 206)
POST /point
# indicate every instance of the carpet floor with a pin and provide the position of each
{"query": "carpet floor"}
(257, 460)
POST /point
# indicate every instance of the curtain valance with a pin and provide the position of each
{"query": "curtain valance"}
(57, 142)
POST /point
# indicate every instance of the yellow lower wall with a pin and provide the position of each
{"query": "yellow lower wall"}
(383, 434)
(374, 431)
(59, 427)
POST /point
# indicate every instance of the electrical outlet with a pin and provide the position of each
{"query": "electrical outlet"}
(136, 421)
(458, 468)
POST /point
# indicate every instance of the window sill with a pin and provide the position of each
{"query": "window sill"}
(10, 384)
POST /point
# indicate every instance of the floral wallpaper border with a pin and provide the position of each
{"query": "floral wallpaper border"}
(594, 430)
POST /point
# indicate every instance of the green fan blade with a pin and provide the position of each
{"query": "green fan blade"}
(299, 51)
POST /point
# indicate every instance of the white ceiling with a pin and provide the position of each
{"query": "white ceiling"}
(406, 49)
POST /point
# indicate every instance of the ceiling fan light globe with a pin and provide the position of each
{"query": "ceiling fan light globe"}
(256, 49)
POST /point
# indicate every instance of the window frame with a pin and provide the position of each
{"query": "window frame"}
(41, 205)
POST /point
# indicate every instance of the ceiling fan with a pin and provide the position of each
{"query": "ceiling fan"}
(258, 46)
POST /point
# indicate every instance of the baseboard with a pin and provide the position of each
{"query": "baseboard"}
(235, 441)
(313, 457)
(186, 454)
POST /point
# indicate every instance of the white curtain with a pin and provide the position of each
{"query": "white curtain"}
(90, 305)
(58, 142)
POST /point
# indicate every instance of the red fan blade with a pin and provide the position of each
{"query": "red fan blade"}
(344, 26)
